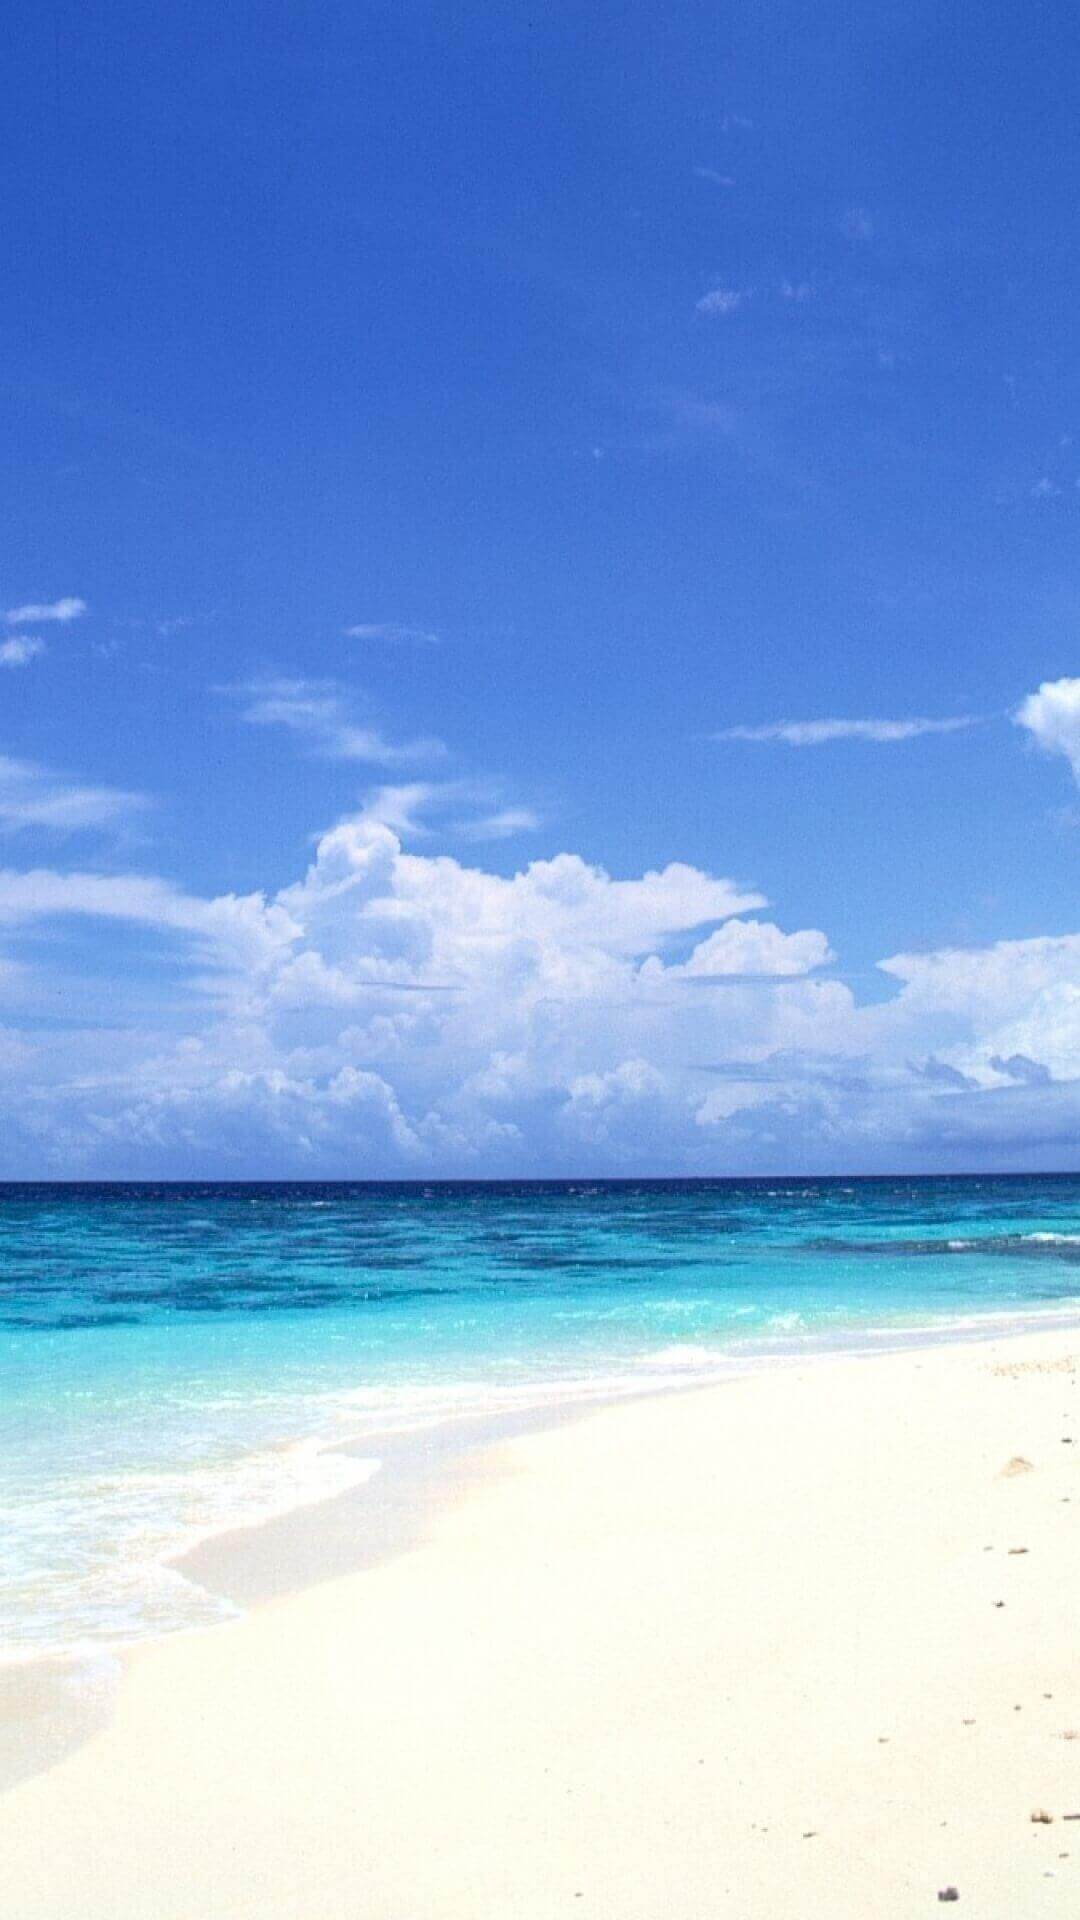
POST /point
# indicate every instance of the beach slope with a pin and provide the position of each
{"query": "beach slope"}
(805, 1644)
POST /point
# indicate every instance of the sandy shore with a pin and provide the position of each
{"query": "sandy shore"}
(802, 1645)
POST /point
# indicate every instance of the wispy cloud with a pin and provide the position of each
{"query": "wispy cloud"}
(390, 630)
(500, 825)
(416, 809)
(400, 807)
(319, 710)
(856, 223)
(35, 796)
(20, 649)
(722, 300)
(711, 173)
(62, 610)
(798, 291)
(818, 733)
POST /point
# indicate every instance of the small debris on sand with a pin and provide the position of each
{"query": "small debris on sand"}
(999, 1603)
(811, 1835)
(1016, 1550)
(1071, 1733)
(1040, 1818)
(969, 1723)
(948, 1893)
(1017, 1464)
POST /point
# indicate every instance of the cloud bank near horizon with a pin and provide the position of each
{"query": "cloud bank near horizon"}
(390, 1013)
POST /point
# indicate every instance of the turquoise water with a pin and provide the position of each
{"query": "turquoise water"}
(179, 1359)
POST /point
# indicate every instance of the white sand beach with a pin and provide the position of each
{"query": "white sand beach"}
(801, 1645)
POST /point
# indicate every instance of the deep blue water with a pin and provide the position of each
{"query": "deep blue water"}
(175, 1359)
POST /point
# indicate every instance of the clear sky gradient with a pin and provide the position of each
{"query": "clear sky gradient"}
(634, 451)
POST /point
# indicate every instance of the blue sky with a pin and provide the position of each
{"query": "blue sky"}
(452, 445)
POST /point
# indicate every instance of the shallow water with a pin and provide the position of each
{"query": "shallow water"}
(178, 1360)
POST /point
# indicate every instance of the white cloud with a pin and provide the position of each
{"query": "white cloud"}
(503, 824)
(239, 930)
(413, 809)
(389, 630)
(735, 1097)
(717, 179)
(754, 948)
(402, 807)
(20, 650)
(403, 1011)
(1015, 998)
(817, 733)
(319, 710)
(35, 796)
(1052, 717)
(470, 1013)
(722, 300)
(557, 905)
(62, 610)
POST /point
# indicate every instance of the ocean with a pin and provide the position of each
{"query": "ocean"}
(179, 1360)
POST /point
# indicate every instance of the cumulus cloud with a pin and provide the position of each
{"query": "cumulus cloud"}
(559, 905)
(819, 733)
(20, 650)
(751, 948)
(497, 1013)
(1052, 717)
(319, 710)
(64, 610)
(712, 174)
(1013, 1007)
(395, 1010)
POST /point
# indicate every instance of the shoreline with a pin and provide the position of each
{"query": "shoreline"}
(53, 1701)
(583, 1675)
